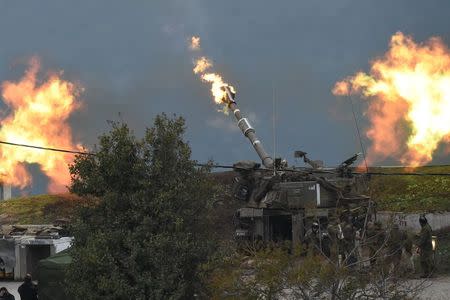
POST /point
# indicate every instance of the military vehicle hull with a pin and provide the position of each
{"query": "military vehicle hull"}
(280, 203)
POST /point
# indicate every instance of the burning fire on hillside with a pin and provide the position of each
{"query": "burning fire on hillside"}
(202, 65)
(37, 115)
(409, 92)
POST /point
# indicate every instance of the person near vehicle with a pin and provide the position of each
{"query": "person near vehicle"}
(349, 246)
(27, 290)
(317, 240)
(312, 239)
(375, 239)
(425, 247)
(395, 244)
(5, 295)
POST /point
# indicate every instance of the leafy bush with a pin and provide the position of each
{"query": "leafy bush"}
(150, 230)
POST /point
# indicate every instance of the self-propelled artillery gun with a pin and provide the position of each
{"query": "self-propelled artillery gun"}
(281, 202)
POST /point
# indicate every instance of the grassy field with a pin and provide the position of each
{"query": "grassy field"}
(395, 193)
(41, 209)
(412, 193)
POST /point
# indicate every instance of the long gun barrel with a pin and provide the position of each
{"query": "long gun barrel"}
(246, 128)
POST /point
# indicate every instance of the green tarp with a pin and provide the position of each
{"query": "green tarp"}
(51, 274)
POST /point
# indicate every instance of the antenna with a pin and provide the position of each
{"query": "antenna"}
(359, 134)
(273, 126)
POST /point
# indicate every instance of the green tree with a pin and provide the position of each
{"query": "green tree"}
(148, 232)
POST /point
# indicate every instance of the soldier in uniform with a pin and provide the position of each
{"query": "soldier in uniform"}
(408, 246)
(425, 247)
(348, 241)
(326, 243)
(395, 245)
(372, 242)
(317, 241)
(312, 239)
(334, 239)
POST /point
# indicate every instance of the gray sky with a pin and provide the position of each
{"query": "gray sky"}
(131, 57)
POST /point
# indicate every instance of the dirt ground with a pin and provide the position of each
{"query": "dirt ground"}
(12, 287)
(438, 290)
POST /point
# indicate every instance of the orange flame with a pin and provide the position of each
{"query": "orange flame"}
(39, 114)
(195, 43)
(216, 86)
(200, 66)
(410, 91)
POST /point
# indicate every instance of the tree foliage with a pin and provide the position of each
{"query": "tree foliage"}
(148, 233)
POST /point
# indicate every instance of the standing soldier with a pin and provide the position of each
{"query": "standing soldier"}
(317, 241)
(374, 240)
(425, 247)
(408, 246)
(348, 232)
(312, 239)
(395, 244)
(27, 290)
(370, 242)
(334, 238)
(326, 243)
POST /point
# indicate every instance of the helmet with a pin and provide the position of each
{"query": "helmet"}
(315, 226)
(423, 220)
